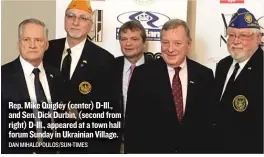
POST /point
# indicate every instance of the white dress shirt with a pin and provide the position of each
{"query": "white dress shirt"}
(126, 72)
(183, 74)
(29, 77)
(76, 53)
(230, 71)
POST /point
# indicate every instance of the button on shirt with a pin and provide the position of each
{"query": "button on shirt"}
(126, 72)
(230, 71)
(184, 80)
(76, 53)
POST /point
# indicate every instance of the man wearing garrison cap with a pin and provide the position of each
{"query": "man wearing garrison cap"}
(78, 59)
(239, 88)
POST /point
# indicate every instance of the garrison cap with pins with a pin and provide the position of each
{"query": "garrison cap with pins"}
(81, 5)
(243, 19)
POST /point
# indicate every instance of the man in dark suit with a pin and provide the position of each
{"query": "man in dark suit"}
(80, 61)
(169, 100)
(239, 88)
(132, 38)
(26, 79)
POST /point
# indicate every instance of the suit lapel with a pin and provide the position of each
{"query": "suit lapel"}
(191, 71)
(85, 61)
(59, 51)
(256, 58)
(50, 78)
(221, 78)
(20, 81)
(120, 67)
(163, 80)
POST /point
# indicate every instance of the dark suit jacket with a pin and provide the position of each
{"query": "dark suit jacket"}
(90, 65)
(241, 132)
(151, 120)
(117, 76)
(111, 90)
(14, 89)
(92, 59)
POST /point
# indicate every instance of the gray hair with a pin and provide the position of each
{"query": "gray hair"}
(255, 30)
(174, 23)
(33, 21)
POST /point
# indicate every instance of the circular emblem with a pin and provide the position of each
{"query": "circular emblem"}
(150, 54)
(248, 18)
(240, 103)
(85, 87)
(157, 55)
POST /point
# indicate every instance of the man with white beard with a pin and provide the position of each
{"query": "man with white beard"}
(79, 61)
(239, 88)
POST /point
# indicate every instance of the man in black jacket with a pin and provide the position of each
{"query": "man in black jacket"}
(239, 87)
(115, 84)
(28, 80)
(80, 62)
(78, 59)
(170, 99)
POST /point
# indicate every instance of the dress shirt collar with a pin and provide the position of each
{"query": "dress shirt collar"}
(28, 68)
(77, 48)
(241, 64)
(182, 65)
(127, 64)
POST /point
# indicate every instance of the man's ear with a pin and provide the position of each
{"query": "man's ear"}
(18, 45)
(189, 43)
(259, 36)
(47, 45)
(145, 46)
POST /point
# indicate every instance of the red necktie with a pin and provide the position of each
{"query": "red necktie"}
(177, 93)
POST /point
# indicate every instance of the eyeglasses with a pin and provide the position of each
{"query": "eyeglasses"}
(241, 37)
(72, 17)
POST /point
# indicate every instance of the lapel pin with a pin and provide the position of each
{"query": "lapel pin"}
(85, 61)
(249, 68)
(81, 65)
(191, 82)
(51, 75)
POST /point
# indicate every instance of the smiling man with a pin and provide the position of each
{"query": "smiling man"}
(169, 99)
(239, 82)
(132, 39)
